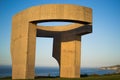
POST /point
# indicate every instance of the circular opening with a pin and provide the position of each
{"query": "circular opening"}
(54, 23)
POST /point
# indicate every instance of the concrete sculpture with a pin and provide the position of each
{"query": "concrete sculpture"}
(67, 39)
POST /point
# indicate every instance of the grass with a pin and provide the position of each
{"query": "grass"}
(105, 77)
(112, 77)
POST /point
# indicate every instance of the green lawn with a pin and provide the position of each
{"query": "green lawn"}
(112, 77)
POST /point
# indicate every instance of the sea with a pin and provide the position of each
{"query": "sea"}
(6, 71)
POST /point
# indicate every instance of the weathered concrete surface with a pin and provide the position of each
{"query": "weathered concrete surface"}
(67, 39)
(70, 56)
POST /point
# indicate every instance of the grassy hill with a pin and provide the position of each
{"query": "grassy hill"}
(105, 77)
(114, 77)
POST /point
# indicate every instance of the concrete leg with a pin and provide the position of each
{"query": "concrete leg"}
(70, 56)
(56, 48)
(23, 50)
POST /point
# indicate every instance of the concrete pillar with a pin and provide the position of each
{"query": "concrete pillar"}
(57, 48)
(70, 56)
(23, 50)
(30, 65)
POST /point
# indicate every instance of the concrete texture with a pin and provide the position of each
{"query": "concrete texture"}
(67, 39)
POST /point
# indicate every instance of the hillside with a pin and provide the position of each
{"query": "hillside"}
(115, 67)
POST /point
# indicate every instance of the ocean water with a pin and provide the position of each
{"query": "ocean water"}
(53, 71)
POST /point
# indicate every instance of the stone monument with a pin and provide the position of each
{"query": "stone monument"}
(67, 39)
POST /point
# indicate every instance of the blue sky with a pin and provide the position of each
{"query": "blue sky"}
(100, 48)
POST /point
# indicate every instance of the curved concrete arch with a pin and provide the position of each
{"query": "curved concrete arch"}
(57, 12)
(67, 39)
